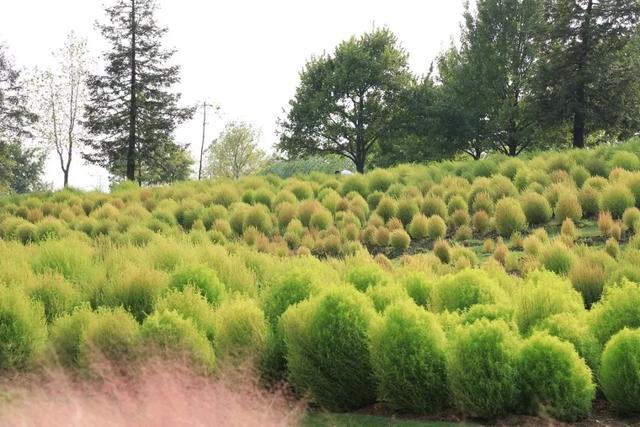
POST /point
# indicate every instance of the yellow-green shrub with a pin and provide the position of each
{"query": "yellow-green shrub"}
(509, 217)
(408, 358)
(620, 371)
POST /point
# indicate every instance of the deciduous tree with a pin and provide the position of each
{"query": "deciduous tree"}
(346, 101)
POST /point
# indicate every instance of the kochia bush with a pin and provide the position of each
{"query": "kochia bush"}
(328, 349)
(616, 198)
(553, 379)
(509, 217)
(620, 371)
(619, 308)
(464, 289)
(482, 368)
(203, 278)
(22, 329)
(240, 331)
(408, 358)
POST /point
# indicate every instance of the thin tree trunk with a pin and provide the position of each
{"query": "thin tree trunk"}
(131, 152)
(579, 120)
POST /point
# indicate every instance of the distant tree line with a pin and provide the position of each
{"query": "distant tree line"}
(524, 75)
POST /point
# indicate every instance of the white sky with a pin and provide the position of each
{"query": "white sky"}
(245, 55)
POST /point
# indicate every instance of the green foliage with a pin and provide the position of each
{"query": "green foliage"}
(240, 330)
(136, 290)
(482, 369)
(111, 335)
(553, 379)
(291, 167)
(616, 198)
(258, 217)
(419, 288)
(318, 120)
(328, 350)
(557, 257)
(201, 277)
(365, 276)
(293, 287)
(177, 337)
(536, 208)
(619, 308)
(408, 358)
(509, 217)
(620, 371)
(568, 206)
(22, 329)
(542, 295)
(57, 295)
(399, 239)
(190, 304)
(462, 290)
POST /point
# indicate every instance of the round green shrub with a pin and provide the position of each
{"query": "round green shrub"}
(136, 289)
(302, 190)
(258, 216)
(482, 368)
(57, 295)
(620, 371)
(462, 290)
(557, 258)
(625, 160)
(574, 329)
(436, 228)
(589, 198)
(321, 219)
(433, 205)
(619, 308)
(383, 296)
(616, 198)
(26, 233)
(631, 218)
(588, 277)
(380, 180)
(177, 337)
(22, 329)
(292, 287)
(542, 295)
(419, 288)
(407, 209)
(69, 258)
(355, 183)
(203, 278)
(240, 330)
(536, 208)
(364, 276)
(190, 304)
(408, 357)
(418, 228)
(568, 206)
(400, 239)
(111, 335)
(387, 208)
(553, 379)
(579, 174)
(373, 199)
(509, 217)
(328, 350)
(67, 333)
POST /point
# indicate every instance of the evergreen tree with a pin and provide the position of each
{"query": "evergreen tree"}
(583, 73)
(132, 113)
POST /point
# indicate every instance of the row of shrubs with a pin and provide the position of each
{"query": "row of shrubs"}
(324, 214)
(420, 336)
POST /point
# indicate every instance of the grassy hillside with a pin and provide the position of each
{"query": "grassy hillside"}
(502, 286)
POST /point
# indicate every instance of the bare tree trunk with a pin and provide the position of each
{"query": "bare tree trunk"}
(579, 120)
(131, 152)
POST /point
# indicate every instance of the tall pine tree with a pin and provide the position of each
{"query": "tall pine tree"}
(132, 113)
(582, 74)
